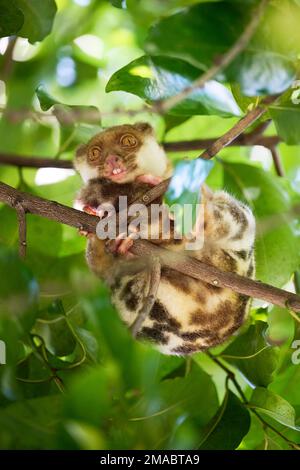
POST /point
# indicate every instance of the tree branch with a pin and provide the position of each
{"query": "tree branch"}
(21, 213)
(238, 129)
(182, 263)
(8, 59)
(33, 162)
(221, 63)
(180, 146)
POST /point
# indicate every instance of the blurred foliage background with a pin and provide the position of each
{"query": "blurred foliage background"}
(74, 378)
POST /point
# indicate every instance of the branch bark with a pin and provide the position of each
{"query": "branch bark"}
(238, 129)
(221, 63)
(21, 213)
(182, 263)
(242, 140)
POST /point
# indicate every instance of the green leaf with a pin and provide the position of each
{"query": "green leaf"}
(261, 73)
(206, 32)
(18, 289)
(286, 117)
(45, 99)
(44, 235)
(118, 3)
(244, 102)
(11, 18)
(157, 78)
(281, 326)
(172, 121)
(184, 392)
(228, 427)
(286, 384)
(273, 405)
(30, 424)
(91, 394)
(277, 253)
(58, 338)
(77, 123)
(67, 115)
(173, 405)
(253, 356)
(39, 17)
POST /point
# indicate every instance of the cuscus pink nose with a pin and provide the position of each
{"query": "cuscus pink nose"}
(112, 160)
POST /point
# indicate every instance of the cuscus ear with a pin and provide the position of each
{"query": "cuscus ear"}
(144, 127)
(81, 150)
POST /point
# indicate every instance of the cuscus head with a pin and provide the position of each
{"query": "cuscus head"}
(121, 153)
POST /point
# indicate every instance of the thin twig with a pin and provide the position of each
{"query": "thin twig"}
(73, 116)
(8, 59)
(155, 275)
(238, 129)
(180, 262)
(277, 161)
(34, 162)
(221, 63)
(243, 140)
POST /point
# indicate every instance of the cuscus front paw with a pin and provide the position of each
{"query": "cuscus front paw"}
(149, 179)
(121, 245)
(98, 212)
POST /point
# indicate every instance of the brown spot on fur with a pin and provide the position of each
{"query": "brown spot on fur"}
(200, 318)
(193, 335)
(161, 315)
(177, 280)
(128, 296)
(231, 330)
(227, 262)
(132, 302)
(241, 309)
(250, 270)
(200, 297)
(241, 220)
(186, 349)
(116, 283)
(152, 334)
(224, 314)
(242, 254)
(217, 214)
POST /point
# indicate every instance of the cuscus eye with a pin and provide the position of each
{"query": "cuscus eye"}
(94, 153)
(128, 140)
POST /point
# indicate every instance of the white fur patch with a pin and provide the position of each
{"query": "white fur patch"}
(86, 171)
(151, 158)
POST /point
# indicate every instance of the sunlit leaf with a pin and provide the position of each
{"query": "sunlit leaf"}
(274, 406)
(157, 78)
(199, 44)
(39, 18)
